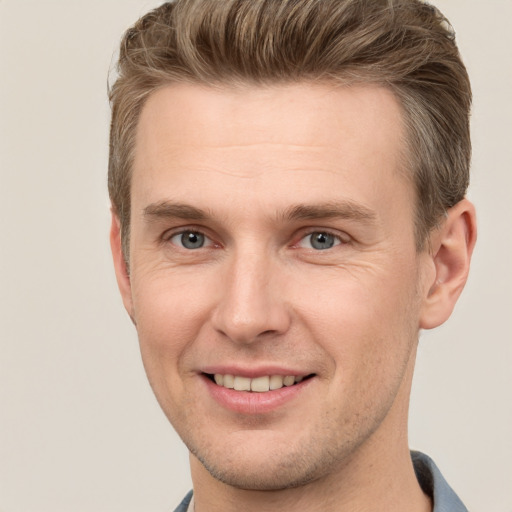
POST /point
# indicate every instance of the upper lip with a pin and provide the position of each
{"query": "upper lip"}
(254, 371)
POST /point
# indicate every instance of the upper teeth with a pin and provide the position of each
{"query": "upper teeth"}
(259, 384)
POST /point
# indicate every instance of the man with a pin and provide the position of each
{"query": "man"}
(287, 182)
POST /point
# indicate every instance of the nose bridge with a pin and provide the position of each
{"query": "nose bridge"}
(251, 303)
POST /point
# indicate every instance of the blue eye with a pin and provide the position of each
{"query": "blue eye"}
(189, 240)
(320, 240)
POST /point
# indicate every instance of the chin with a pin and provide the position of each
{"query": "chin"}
(266, 477)
(267, 468)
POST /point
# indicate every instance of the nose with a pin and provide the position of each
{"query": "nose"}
(252, 304)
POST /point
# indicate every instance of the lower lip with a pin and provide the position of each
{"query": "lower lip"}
(251, 402)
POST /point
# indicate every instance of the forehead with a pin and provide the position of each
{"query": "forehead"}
(268, 144)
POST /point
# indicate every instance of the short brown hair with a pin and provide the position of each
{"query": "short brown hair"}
(405, 45)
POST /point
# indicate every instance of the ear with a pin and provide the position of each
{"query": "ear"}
(452, 246)
(120, 266)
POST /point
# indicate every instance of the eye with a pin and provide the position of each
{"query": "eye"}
(190, 240)
(319, 240)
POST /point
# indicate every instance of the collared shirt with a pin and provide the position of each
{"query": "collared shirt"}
(429, 477)
(434, 485)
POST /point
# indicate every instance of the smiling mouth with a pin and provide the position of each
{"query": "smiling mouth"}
(258, 384)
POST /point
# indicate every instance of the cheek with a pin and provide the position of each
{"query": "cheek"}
(169, 306)
(169, 313)
(365, 298)
(366, 320)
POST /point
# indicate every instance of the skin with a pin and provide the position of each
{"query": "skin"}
(258, 294)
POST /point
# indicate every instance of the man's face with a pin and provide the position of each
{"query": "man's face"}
(272, 236)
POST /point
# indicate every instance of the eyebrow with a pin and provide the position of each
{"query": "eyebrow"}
(166, 209)
(331, 210)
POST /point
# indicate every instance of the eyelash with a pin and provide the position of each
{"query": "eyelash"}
(339, 239)
(169, 235)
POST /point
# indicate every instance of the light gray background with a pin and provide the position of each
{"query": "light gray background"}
(79, 427)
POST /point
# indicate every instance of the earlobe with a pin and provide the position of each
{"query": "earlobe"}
(120, 266)
(452, 246)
